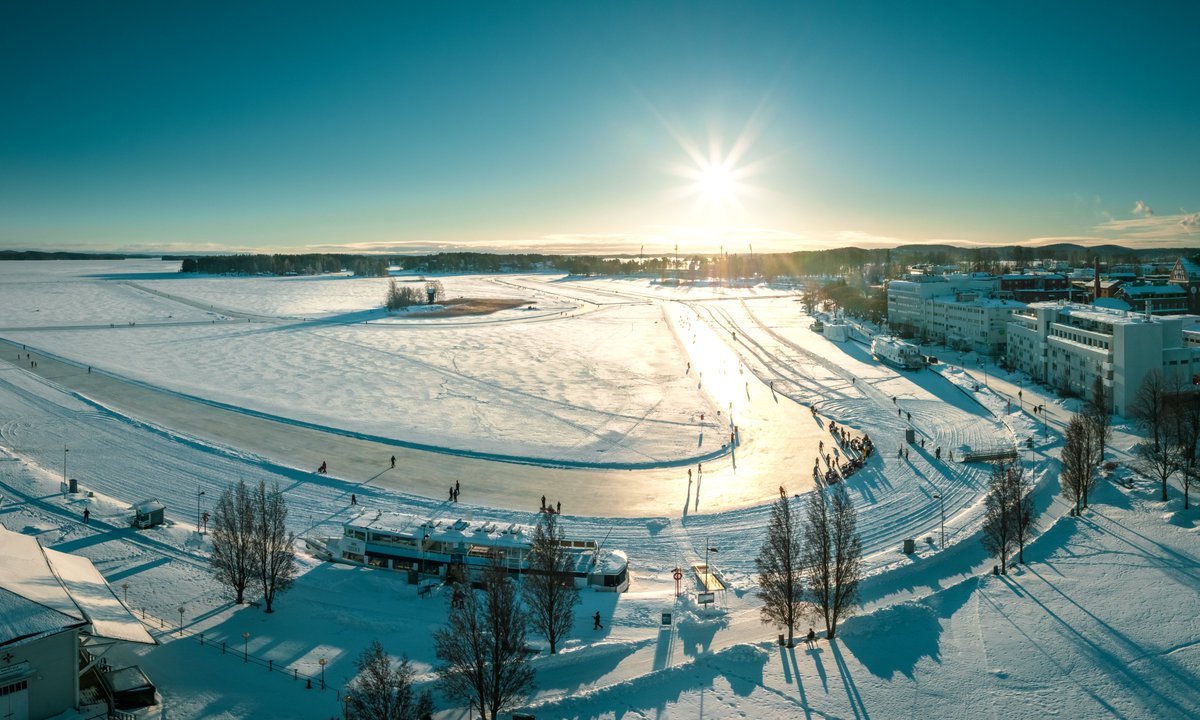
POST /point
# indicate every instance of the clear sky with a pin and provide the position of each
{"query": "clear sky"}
(596, 126)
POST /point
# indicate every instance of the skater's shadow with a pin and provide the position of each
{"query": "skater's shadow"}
(376, 475)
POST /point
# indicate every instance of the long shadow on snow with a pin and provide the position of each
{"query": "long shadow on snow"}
(894, 639)
(649, 695)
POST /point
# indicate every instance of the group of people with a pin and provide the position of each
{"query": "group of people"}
(454, 492)
(840, 467)
(556, 508)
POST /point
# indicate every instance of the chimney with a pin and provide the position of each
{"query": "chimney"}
(1096, 282)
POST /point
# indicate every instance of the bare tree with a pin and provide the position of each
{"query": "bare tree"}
(1157, 455)
(233, 538)
(1098, 413)
(400, 297)
(832, 556)
(482, 652)
(1021, 506)
(1078, 472)
(1186, 413)
(274, 546)
(549, 587)
(383, 689)
(999, 533)
(780, 565)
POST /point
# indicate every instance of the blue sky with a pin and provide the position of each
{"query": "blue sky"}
(596, 127)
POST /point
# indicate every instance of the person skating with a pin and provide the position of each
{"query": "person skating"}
(393, 462)
(596, 621)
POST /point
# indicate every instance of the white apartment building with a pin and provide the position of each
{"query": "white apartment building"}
(955, 310)
(969, 322)
(1066, 345)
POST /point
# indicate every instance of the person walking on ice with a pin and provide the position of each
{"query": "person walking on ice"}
(87, 514)
(353, 499)
(596, 621)
(393, 462)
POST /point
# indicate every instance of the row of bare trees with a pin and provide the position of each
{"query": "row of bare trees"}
(1086, 437)
(810, 565)
(1168, 411)
(252, 549)
(1008, 520)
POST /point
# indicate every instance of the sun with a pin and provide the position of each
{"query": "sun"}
(716, 183)
(718, 177)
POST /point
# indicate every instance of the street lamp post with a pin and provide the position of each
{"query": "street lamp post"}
(245, 647)
(65, 451)
(938, 497)
(125, 587)
(180, 621)
(199, 492)
(322, 662)
(707, 549)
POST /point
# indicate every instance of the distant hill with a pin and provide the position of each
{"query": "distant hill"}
(1052, 250)
(40, 255)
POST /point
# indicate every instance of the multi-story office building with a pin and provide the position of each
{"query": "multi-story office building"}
(910, 300)
(1067, 345)
(1036, 287)
(969, 322)
(1157, 299)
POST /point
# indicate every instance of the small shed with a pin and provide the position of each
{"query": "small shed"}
(148, 513)
(130, 688)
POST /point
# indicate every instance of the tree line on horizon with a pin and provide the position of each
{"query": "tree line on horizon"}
(873, 264)
(277, 264)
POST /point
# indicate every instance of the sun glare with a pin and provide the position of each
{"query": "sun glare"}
(718, 176)
(716, 183)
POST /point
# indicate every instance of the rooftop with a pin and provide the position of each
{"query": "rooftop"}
(53, 590)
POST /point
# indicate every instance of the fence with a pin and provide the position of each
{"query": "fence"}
(173, 628)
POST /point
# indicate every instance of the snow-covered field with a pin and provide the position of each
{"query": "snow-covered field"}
(1103, 621)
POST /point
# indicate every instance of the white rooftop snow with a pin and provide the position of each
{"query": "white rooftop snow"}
(68, 584)
(87, 587)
